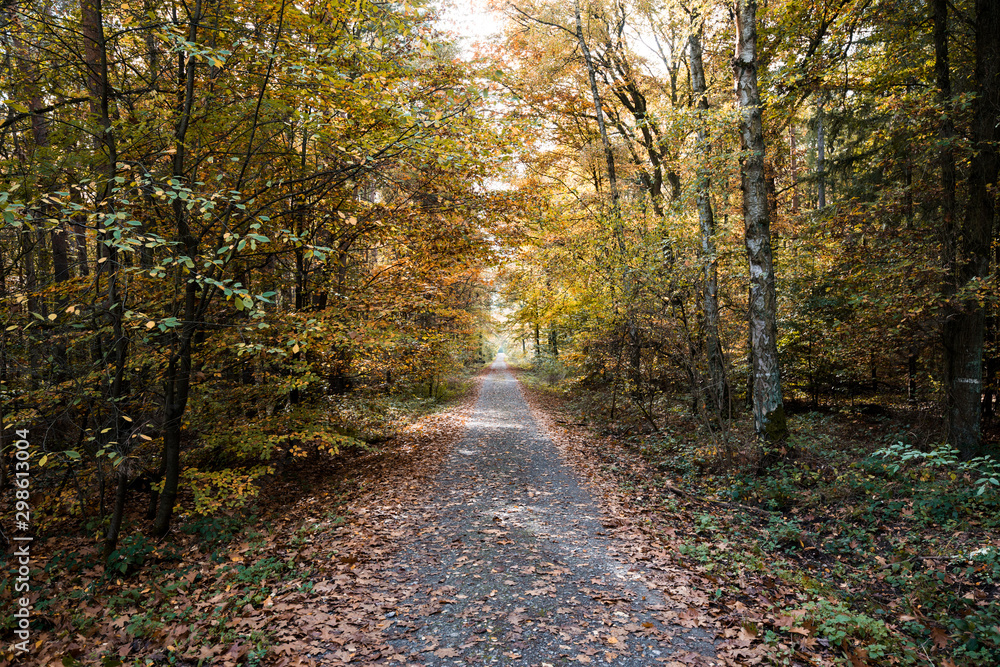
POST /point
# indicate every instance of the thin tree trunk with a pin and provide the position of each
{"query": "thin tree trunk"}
(794, 168)
(178, 376)
(609, 156)
(114, 528)
(947, 156)
(717, 391)
(992, 374)
(768, 406)
(96, 56)
(820, 159)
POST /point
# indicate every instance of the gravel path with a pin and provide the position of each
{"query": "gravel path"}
(514, 563)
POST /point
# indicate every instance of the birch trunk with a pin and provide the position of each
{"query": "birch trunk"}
(768, 407)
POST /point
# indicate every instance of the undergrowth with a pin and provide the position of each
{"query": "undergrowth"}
(869, 545)
(221, 562)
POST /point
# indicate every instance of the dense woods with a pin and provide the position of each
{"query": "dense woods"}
(237, 235)
(857, 156)
(225, 232)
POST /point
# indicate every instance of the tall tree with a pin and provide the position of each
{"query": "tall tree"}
(717, 391)
(768, 405)
(964, 331)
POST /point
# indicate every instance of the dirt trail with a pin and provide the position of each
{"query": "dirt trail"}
(510, 560)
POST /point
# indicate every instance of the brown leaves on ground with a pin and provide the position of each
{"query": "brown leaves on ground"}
(654, 537)
(338, 535)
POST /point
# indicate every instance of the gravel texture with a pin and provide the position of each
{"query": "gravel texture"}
(514, 562)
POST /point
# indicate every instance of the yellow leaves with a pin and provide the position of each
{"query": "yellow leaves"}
(349, 220)
(223, 489)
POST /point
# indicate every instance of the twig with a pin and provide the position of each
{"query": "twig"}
(718, 503)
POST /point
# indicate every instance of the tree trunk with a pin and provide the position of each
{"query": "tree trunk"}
(609, 156)
(114, 528)
(794, 168)
(717, 391)
(966, 327)
(992, 374)
(820, 159)
(96, 57)
(768, 406)
(947, 132)
(178, 376)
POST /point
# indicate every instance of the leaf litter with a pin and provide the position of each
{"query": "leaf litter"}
(483, 537)
(503, 556)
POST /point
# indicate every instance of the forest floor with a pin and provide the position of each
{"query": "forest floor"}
(479, 537)
(504, 531)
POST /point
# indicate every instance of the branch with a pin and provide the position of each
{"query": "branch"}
(538, 20)
(14, 118)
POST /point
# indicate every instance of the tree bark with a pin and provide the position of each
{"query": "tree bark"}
(768, 406)
(96, 59)
(717, 391)
(609, 156)
(117, 513)
(966, 327)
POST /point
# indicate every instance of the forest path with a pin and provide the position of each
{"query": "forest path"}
(508, 559)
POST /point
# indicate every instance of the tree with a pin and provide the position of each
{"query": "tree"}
(964, 330)
(768, 404)
(717, 389)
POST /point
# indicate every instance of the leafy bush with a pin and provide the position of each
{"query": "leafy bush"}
(839, 624)
(982, 470)
(130, 554)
